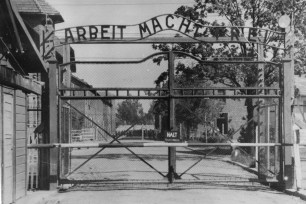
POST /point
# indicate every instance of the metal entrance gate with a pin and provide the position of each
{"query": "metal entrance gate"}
(211, 119)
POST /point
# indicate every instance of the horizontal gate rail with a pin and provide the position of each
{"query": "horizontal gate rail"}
(158, 93)
(165, 97)
(206, 62)
(152, 182)
(161, 144)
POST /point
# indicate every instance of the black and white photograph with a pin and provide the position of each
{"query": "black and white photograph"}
(152, 101)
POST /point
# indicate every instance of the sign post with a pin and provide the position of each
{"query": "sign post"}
(172, 127)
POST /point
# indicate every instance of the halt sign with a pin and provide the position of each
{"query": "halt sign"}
(172, 136)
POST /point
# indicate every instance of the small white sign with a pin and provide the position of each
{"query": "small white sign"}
(172, 136)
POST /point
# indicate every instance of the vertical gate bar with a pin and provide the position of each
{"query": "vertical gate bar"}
(67, 58)
(59, 123)
(268, 137)
(262, 120)
(276, 137)
(171, 150)
(26, 141)
(280, 125)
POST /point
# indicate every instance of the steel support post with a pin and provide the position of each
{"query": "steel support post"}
(262, 152)
(48, 160)
(53, 123)
(280, 127)
(172, 127)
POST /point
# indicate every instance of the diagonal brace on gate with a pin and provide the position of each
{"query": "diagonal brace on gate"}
(228, 137)
(196, 161)
(115, 138)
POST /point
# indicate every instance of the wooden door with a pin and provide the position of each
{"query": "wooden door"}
(8, 147)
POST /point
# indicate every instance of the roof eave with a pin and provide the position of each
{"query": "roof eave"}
(56, 18)
(34, 49)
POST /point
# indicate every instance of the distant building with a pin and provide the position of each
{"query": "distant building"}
(300, 102)
(102, 112)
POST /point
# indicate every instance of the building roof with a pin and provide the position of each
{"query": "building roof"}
(300, 83)
(80, 82)
(135, 127)
(38, 7)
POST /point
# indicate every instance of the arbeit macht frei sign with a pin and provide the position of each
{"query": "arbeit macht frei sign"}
(167, 23)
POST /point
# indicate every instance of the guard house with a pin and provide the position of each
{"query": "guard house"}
(23, 76)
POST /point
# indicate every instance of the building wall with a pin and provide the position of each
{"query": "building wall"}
(21, 143)
(299, 112)
(14, 144)
(97, 110)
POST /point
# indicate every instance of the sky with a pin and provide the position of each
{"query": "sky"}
(109, 12)
(99, 12)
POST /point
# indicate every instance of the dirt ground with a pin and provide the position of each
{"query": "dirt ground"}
(116, 164)
(208, 194)
(121, 164)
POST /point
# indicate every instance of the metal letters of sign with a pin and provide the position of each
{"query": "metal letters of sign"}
(47, 42)
(166, 23)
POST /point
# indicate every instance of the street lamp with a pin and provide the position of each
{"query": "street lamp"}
(284, 21)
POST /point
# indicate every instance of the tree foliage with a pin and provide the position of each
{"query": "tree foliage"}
(254, 13)
(129, 112)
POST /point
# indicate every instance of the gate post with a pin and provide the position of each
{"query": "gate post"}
(171, 105)
(288, 71)
(48, 159)
(53, 123)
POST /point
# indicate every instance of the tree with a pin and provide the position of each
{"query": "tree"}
(129, 112)
(148, 118)
(188, 112)
(261, 14)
